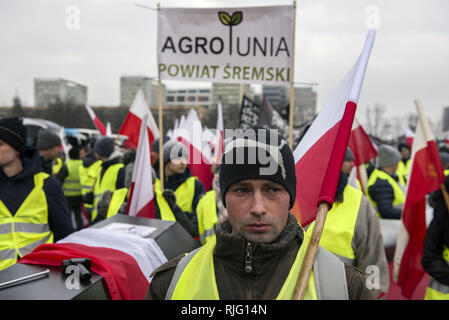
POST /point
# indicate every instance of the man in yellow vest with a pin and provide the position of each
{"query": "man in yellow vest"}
(49, 146)
(435, 260)
(352, 232)
(33, 210)
(258, 251)
(88, 172)
(384, 190)
(403, 169)
(112, 174)
(69, 177)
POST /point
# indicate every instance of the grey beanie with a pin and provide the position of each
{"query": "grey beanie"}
(173, 150)
(47, 140)
(388, 156)
(104, 146)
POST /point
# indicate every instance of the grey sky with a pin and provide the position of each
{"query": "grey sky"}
(410, 57)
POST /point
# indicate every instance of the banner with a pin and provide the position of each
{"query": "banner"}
(228, 45)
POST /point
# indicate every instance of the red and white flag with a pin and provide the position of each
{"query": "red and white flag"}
(426, 176)
(190, 134)
(320, 154)
(363, 149)
(124, 260)
(141, 199)
(220, 134)
(131, 125)
(108, 130)
(409, 136)
(97, 122)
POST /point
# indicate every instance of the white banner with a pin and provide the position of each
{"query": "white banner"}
(231, 45)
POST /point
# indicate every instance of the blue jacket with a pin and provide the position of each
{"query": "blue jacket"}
(14, 190)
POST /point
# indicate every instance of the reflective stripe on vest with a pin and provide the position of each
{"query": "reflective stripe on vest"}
(72, 185)
(399, 196)
(118, 198)
(28, 228)
(436, 290)
(106, 183)
(207, 216)
(340, 224)
(194, 277)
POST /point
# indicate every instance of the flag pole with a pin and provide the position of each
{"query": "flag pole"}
(292, 87)
(312, 249)
(419, 108)
(161, 131)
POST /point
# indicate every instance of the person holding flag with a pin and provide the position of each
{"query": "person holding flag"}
(258, 251)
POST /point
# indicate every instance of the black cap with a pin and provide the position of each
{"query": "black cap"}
(14, 133)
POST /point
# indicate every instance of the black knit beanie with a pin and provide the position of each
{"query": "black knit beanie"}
(258, 153)
(14, 133)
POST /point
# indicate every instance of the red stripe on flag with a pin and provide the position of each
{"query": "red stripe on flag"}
(147, 211)
(120, 270)
(131, 128)
(361, 146)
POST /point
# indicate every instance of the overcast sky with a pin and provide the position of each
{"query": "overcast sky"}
(409, 60)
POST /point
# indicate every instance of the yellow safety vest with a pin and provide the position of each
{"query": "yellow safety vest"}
(339, 226)
(164, 208)
(399, 196)
(194, 277)
(402, 171)
(118, 197)
(88, 176)
(71, 184)
(184, 193)
(436, 290)
(105, 183)
(57, 166)
(446, 172)
(207, 216)
(28, 228)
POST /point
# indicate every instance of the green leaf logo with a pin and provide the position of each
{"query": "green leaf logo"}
(228, 20)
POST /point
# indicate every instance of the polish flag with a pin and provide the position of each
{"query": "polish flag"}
(409, 135)
(220, 134)
(141, 199)
(131, 125)
(108, 130)
(97, 122)
(426, 176)
(363, 149)
(190, 134)
(124, 260)
(320, 154)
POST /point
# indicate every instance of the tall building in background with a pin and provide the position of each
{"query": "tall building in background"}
(129, 85)
(446, 119)
(50, 90)
(189, 97)
(277, 95)
(229, 93)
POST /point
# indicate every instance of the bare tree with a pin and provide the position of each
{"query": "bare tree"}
(378, 125)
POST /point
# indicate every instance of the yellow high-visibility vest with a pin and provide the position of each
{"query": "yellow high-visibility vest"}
(28, 228)
(106, 183)
(402, 171)
(57, 166)
(71, 185)
(164, 208)
(88, 177)
(436, 290)
(399, 196)
(194, 278)
(339, 226)
(117, 200)
(207, 216)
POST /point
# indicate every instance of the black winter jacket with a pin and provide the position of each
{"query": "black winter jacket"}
(382, 193)
(14, 190)
(437, 235)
